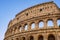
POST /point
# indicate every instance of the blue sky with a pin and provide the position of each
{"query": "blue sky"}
(9, 8)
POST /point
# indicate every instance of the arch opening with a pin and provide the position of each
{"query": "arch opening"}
(26, 27)
(17, 38)
(41, 24)
(31, 38)
(23, 38)
(58, 22)
(50, 23)
(40, 37)
(51, 37)
(32, 25)
(20, 29)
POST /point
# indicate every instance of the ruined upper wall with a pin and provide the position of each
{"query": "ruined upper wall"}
(35, 11)
(39, 6)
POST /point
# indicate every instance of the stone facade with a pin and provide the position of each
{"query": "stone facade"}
(20, 27)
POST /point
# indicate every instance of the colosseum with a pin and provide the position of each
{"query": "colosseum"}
(39, 22)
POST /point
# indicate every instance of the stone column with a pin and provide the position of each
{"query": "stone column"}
(29, 27)
(16, 31)
(22, 28)
(36, 25)
(57, 35)
(27, 37)
(13, 31)
(35, 37)
(55, 23)
(20, 38)
(45, 23)
(18, 28)
(45, 36)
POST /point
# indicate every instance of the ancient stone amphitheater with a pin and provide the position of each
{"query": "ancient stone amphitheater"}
(39, 22)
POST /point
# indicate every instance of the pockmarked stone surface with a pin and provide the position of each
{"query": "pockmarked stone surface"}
(39, 22)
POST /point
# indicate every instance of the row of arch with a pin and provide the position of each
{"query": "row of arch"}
(40, 37)
(40, 24)
(50, 23)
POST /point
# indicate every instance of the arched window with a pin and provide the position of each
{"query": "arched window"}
(41, 24)
(32, 25)
(58, 22)
(50, 23)
(31, 38)
(26, 27)
(51, 37)
(40, 37)
(20, 29)
(23, 38)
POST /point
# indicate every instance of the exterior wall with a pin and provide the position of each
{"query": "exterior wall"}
(41, 12)
(35, 12)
